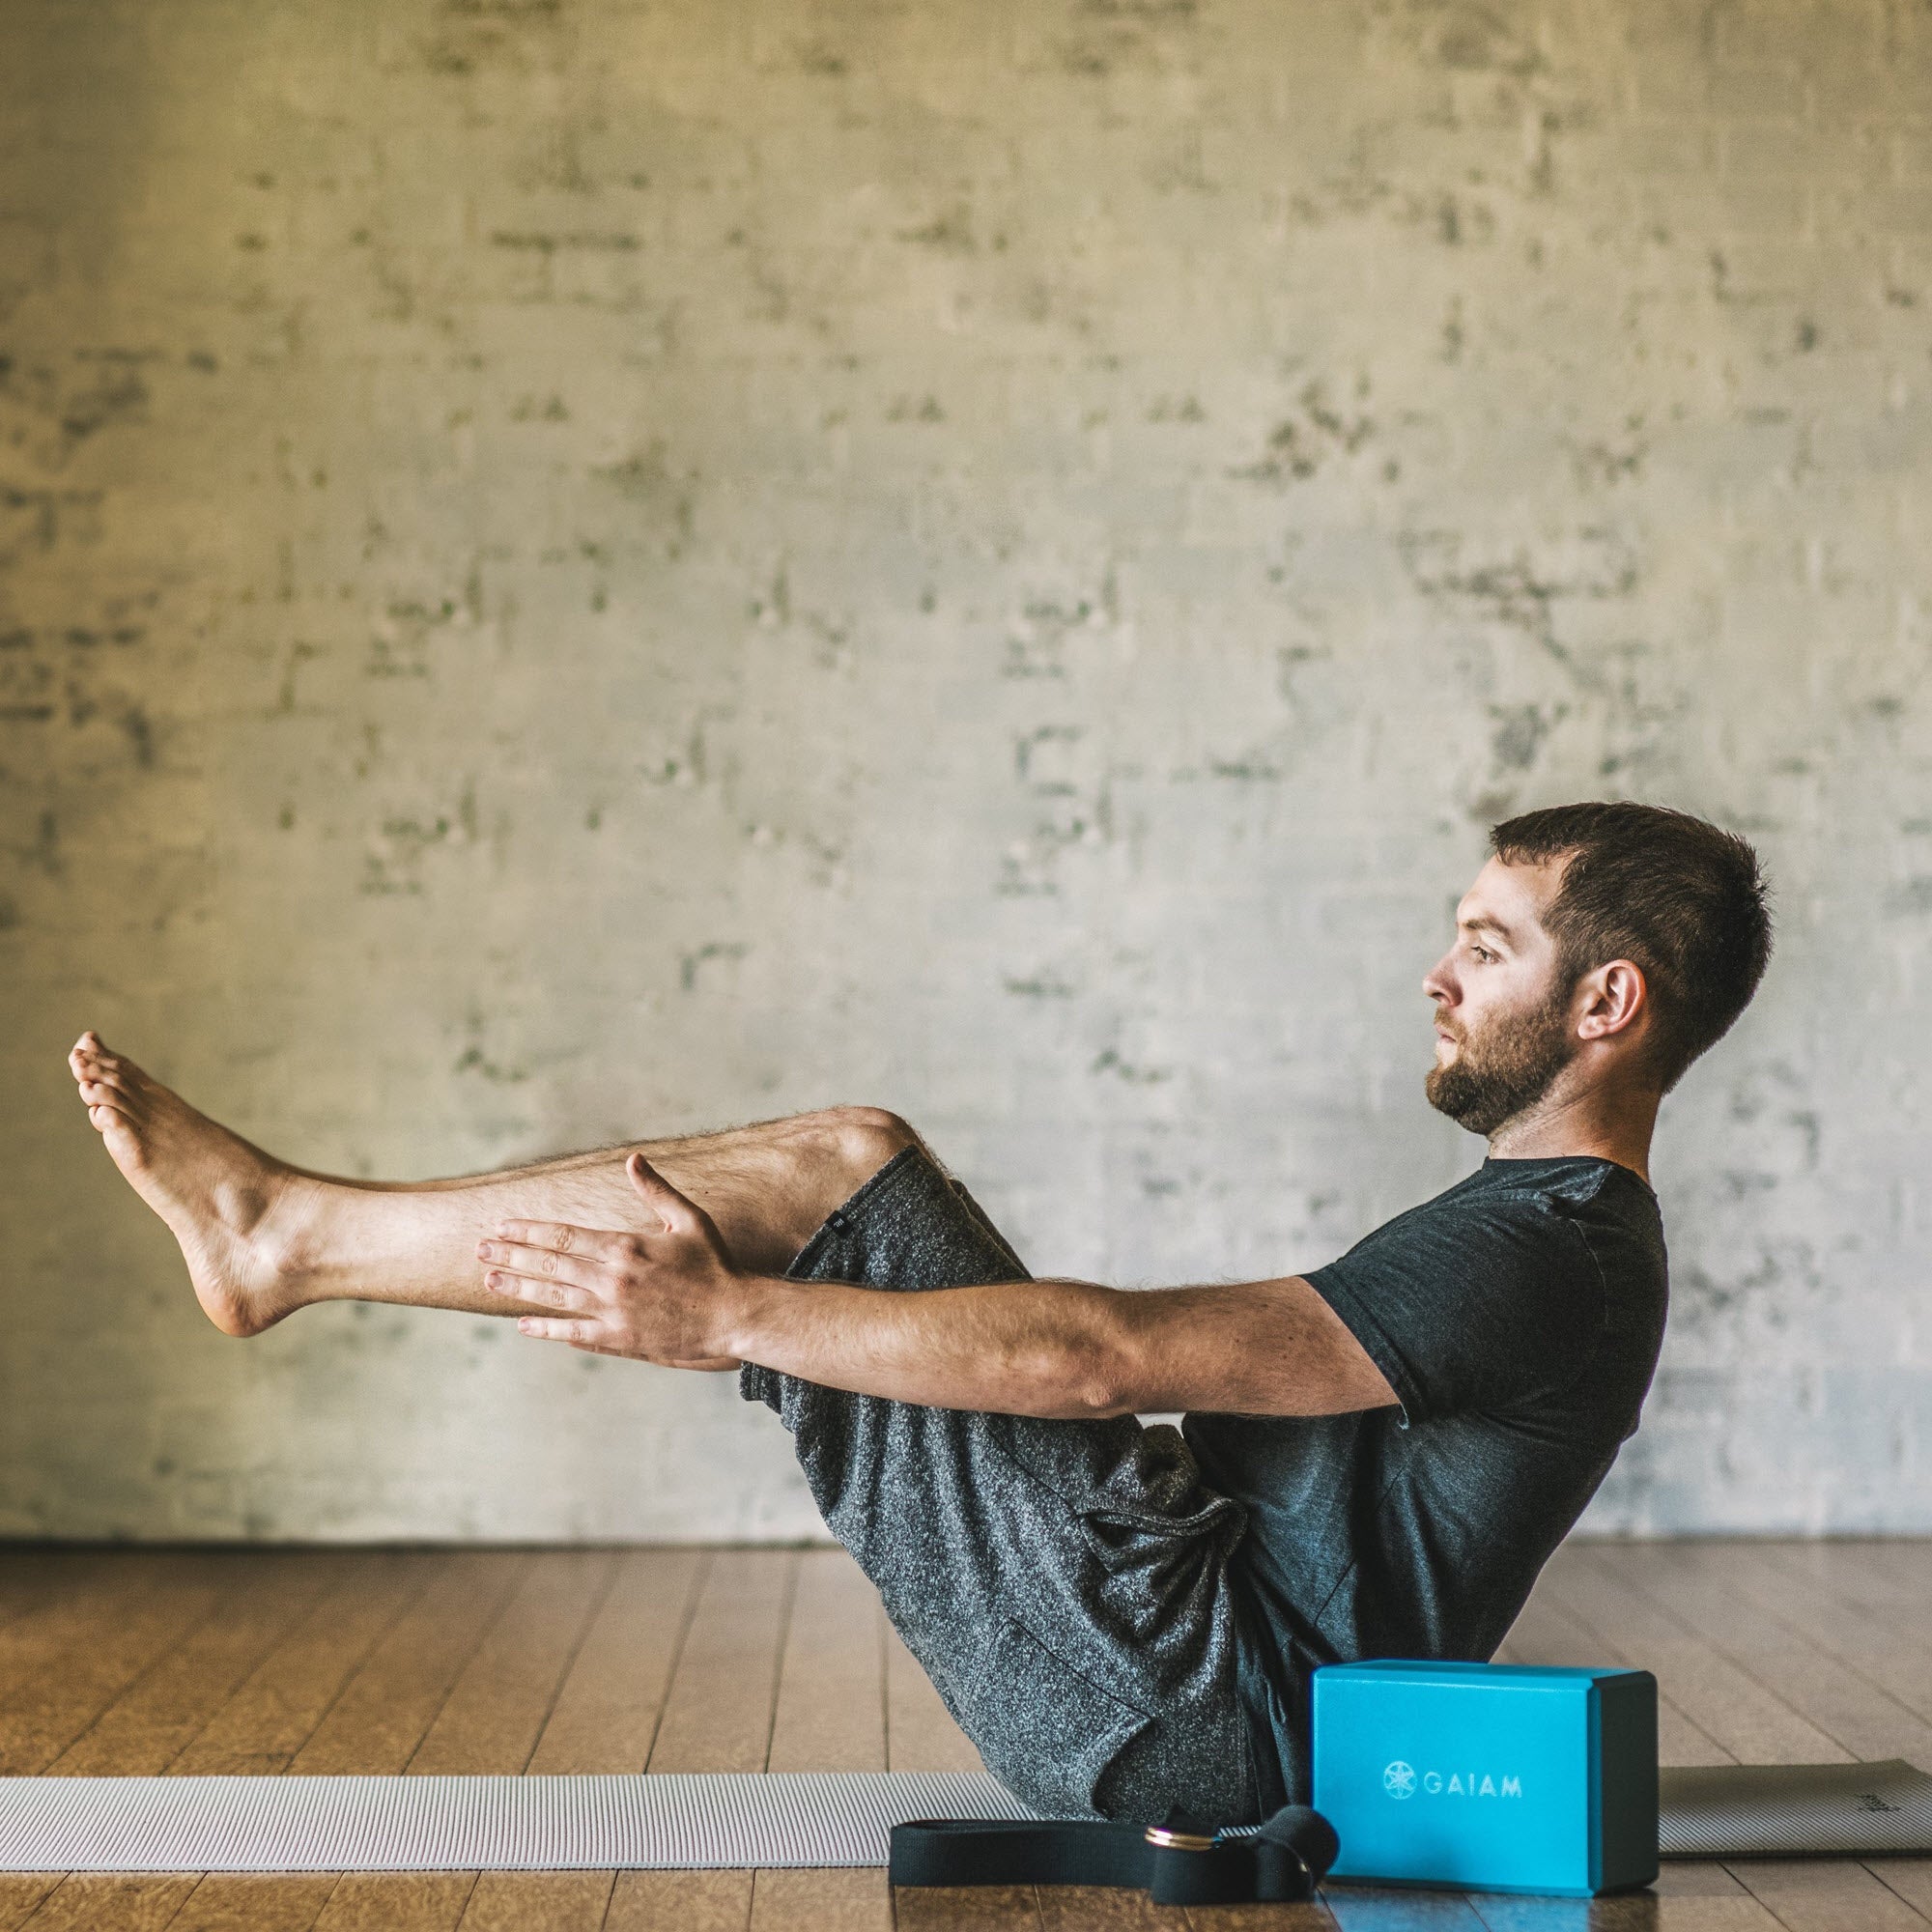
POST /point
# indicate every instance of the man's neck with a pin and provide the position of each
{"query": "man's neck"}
(1592, 1124)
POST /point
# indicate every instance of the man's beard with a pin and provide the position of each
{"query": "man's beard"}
(1492, 1080)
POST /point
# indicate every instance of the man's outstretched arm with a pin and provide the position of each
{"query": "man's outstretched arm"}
(1056, 1348)
(1069, 1348)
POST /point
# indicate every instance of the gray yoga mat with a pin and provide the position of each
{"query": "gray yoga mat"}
(470, 1823)
(1776, 1811)
(776, 1819)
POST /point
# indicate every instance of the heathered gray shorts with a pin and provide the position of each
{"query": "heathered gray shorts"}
(1065, 1584)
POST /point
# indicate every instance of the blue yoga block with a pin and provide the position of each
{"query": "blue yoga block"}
(1488, 1776)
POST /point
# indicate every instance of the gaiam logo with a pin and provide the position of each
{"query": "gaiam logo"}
(1403, 1780)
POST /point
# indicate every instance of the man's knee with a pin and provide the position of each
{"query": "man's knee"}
(864, 1139)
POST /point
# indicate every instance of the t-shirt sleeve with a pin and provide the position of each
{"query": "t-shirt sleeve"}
(1470, 1308)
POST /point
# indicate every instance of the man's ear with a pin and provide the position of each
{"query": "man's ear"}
(1615, 997)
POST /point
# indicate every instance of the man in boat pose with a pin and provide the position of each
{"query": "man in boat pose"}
(1377, 1457)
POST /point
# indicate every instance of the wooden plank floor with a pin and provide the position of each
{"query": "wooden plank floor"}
(264, 1661)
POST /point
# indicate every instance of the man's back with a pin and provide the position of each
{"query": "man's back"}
(1518, 1316)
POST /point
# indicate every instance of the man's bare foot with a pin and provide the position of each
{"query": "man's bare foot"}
(241, 1217)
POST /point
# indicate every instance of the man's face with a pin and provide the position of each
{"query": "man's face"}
(1502, 1018)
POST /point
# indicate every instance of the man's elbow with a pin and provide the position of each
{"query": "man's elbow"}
(1097, 1375)
(1087, 1391)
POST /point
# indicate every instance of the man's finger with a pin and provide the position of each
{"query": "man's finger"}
(545, 1293)
(563, 1238)
(554, 1328)
(545, 1264)
(663, 1200)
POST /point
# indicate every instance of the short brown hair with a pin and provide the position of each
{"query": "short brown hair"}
(1682, 899)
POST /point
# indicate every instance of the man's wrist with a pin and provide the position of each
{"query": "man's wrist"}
(750, 1314)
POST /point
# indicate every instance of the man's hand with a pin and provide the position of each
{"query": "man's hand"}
(667, 1296)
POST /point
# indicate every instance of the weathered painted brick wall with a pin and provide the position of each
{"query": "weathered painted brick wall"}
(571, 567)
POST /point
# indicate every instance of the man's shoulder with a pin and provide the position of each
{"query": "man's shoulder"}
(1534, 1220)
(1561, 1187)
(1495, 1293)
(1528, 1192)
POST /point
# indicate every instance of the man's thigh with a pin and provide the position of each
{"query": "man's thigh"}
(1065, 1584)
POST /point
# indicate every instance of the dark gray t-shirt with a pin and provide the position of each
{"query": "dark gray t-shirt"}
(1518, 1316)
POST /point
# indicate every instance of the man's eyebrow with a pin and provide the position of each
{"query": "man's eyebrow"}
(1483, 922)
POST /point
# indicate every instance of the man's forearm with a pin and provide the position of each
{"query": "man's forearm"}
(1054, 1348)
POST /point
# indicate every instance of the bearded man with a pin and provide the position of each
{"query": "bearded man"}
(1377, 1458)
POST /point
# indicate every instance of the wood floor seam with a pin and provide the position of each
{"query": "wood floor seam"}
(787, 1603)
(694, 1595)
(583, 1630)
(485, 1625)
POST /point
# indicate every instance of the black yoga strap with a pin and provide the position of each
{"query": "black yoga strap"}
(1177, 1864)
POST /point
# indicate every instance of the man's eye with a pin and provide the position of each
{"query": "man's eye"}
(1481, 953)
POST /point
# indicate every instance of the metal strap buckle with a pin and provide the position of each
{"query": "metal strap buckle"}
(1178, 1841)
